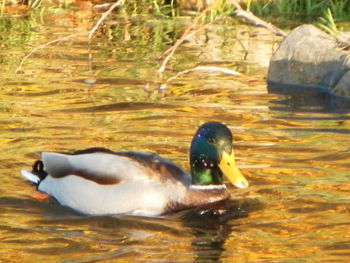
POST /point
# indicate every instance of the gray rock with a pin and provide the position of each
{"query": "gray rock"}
(311, 58)
(343, 86)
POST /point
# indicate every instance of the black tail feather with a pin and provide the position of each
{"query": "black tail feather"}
(38, 169)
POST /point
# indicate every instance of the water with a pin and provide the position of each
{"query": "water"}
(294, 154)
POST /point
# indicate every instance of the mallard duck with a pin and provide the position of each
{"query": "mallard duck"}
(99, 181)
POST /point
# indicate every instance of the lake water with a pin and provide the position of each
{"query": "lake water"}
(295, 154)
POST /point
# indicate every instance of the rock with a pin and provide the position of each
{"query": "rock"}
(343, 86)
(311, 58)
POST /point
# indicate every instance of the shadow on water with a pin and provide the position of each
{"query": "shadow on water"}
(122, 106)
(211, 227)
(308, 99)
(205, 230)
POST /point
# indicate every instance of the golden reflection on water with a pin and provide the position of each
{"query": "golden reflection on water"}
(297, 161)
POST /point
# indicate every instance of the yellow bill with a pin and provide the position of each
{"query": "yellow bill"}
(229, 168)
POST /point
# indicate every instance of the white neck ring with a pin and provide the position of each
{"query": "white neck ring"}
(207, 186)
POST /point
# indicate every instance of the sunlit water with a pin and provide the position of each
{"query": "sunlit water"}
(295, 155)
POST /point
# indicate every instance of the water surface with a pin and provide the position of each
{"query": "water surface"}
(295, 155)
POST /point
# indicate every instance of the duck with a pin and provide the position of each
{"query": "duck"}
(99, 181)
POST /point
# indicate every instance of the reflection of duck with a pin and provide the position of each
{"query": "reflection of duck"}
(98, 181)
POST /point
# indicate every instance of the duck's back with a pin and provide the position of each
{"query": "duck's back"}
(105, 182)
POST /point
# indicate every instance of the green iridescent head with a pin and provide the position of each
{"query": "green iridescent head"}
(211, 156)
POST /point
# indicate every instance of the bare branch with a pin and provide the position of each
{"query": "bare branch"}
(190, 31)
(256, 21)
(187, 34)
(89, 35)
(45, 45)
(103, 17)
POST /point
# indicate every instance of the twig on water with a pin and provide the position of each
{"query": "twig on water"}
(200, 68)
(57, 40)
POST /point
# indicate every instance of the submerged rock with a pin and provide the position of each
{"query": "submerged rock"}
(309, 57)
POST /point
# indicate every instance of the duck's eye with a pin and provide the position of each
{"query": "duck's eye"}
(228, 164)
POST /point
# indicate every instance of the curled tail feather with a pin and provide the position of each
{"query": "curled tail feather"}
(37, 174)
(38, 169)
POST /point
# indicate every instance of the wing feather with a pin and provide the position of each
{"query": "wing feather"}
(100, 167)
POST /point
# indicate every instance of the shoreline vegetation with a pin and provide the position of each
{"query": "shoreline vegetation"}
(260, 13)
(283, 13)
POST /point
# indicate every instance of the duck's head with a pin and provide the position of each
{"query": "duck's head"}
(211, 157)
